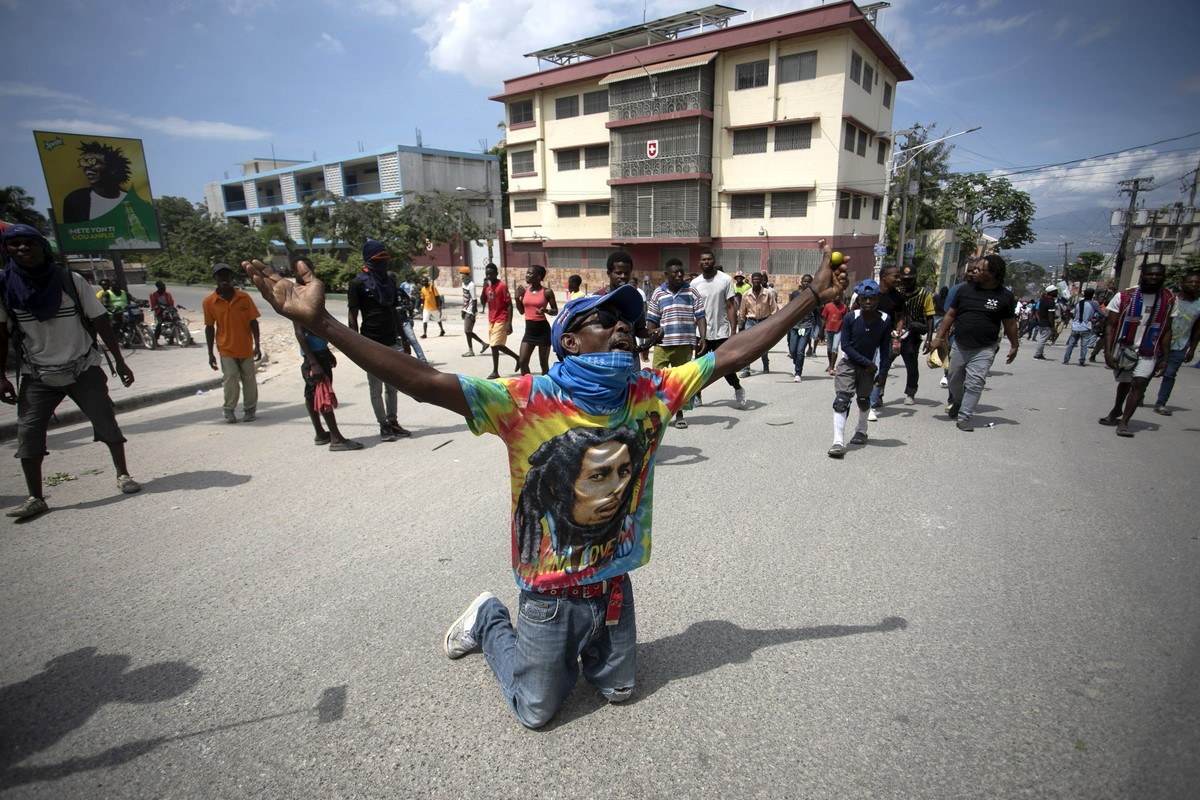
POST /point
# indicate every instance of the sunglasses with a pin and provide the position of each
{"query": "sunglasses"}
(604, 316)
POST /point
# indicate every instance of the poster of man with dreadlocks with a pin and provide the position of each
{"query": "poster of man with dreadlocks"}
(100, 191)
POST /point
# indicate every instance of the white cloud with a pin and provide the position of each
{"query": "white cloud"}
(246, 6)
(330, 44)
(1060, 28)
(84, 126)
(15, 89)
(199, 129)
(1097, 32)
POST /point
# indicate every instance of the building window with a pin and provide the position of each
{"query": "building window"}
(520, 111)
(523, 205)
(596, 209)
(855, 207)
(887, 95)
(567, 160)
(881, 156)
(566, 107)
(843, 205)
(751, 140)
(868, 81)
(800, 67)
(851, 136)
(568, 210)
(789, 204)
(520, 162)
(856, 66)
(793, 137)
(876, 207)
(595, 102)
(862, 143)
(751, 75)
(595, 156)
(747, 206)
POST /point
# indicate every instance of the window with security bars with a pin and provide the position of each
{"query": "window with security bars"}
(684, 146)
(735, 258)
(596, 209)
(566, 107)
(567, 210)
(856, 65)
(747, 206)
(597, 257)
(855, 207)
(789, 204)
(862, 143)
(670, 209)
(751, 75)
(751, 140)
(520, 111)
(876, 206)
(653, 95)
(843, 205)
(793, 137)
(887, 95)
(868, 81)
(794, 262)
(798, 67)
(851, 136)
(595, 156)
(520, 162)
(595, 102)
(524, 205)
(881, 156)
(565, 258)
(567, 160)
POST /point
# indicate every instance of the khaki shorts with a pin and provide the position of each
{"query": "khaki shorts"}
(497, 334)
(849, 379)
(673, 356)
(1143, 369)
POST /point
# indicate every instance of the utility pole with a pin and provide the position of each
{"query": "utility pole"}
(1066, 259)
(1130, 187)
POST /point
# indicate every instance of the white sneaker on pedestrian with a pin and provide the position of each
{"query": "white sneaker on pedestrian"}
(909, 400)
(739, 397)
(459, 640)
(795, 379)
(872, 416)
(945, 382)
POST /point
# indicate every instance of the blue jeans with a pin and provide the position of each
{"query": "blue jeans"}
(1086, 340)
(1175, 360)
(1043, 338)
(411, 337)
(766, 362)
(798, 347)
(383, 398)
(538, 664)
(968, 374)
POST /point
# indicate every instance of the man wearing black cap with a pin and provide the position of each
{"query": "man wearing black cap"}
(918, 329)
(373, 294)
(231, 322)
(582, 442)
(53, 318)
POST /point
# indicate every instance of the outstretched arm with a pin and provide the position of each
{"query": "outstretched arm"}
(305, 304)
(743, 348)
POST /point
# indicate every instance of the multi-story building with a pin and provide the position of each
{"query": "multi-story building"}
(1169, 235)
(273, 191)
(754, 140)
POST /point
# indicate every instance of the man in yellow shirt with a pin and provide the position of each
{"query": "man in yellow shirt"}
(432, 301)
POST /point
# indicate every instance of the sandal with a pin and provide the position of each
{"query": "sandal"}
(1109, 421)
(680, 424)
(1125, 433)
(345, 445)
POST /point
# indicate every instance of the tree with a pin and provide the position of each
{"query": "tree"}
(17, 206)
(1086, 267)
(435, 218)
(925, 171)
(1025, 277)
(972, 202)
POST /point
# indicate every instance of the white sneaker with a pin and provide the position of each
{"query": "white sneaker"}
(872, 416)
(459, 640)
(945, 382)
(739, 398)
(795, 379)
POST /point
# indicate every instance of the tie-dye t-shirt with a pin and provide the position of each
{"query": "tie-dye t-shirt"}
(582, 484)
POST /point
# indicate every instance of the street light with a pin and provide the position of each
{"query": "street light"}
(890, 169)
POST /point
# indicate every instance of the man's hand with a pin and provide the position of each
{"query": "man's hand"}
(257, 353)
(8, 393)
(1012, 355)
(125, 374)
(303, 303)
(212, 361)
(1159, 367)
(701, 347)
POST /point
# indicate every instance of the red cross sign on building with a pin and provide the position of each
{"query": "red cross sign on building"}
(652, 148)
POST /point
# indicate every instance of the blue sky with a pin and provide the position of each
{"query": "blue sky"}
(209, 83)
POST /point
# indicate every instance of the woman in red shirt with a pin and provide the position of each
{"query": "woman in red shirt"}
(536, 301)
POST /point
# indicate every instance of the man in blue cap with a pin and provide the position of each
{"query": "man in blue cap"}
(582, 442)
(53, 317)
(864, 331)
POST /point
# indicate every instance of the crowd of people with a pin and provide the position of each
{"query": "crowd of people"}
(583, 433)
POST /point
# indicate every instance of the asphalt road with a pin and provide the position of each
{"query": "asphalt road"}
(1008, 613)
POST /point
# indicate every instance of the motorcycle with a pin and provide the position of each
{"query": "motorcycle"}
(174, 327)
(129, 326)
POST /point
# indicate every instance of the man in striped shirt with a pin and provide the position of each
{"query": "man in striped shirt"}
(677, 310)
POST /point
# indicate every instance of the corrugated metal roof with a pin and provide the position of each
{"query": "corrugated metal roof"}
(658, 69)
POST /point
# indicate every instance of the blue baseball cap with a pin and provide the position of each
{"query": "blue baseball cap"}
(867, 288)
(626, 298)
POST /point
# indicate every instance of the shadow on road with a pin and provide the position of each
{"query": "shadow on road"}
(40, 711)
(669, 456)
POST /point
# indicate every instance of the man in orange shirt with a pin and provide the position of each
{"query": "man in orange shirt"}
(231, 320)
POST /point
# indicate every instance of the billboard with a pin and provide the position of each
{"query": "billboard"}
(99, 191)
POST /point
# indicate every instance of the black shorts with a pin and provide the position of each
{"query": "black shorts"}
(36, 403)
(537, 332)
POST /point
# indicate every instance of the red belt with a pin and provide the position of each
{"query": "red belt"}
(612, 588)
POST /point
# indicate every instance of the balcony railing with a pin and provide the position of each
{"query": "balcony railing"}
(359, 189)
(661, 229)
(656, 106)
(235, 205)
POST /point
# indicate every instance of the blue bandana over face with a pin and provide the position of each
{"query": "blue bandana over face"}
(597, 382)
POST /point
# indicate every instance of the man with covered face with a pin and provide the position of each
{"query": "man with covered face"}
(582, 442)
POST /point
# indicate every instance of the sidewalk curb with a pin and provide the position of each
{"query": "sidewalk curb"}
(72, 415)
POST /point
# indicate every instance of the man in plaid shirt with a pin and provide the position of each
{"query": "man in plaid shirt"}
(677, 310)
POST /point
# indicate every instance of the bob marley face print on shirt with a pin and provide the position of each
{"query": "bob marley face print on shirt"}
(576, 497)
(582, 483)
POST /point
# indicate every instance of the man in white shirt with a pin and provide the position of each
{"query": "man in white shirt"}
(716, 290)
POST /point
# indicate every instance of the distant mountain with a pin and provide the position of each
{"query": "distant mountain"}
(1085, 228)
